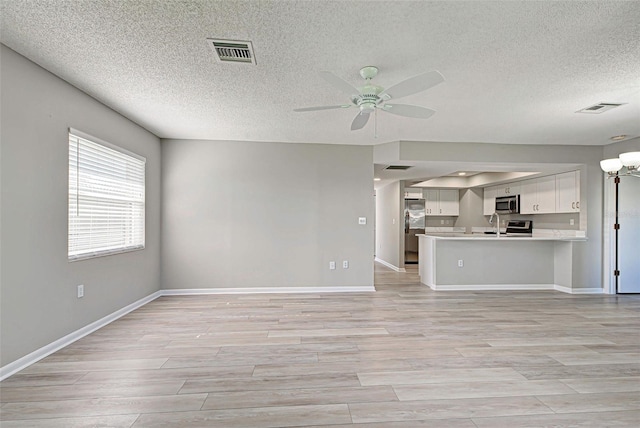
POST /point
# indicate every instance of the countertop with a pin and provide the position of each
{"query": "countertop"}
(486, 237)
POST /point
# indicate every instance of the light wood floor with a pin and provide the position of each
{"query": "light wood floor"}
(404, 356)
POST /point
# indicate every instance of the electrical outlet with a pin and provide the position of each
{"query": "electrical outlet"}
(80, 291)
(332, 265)
(572, 222)
(345, 264)
(460, 263)
(362, 220)
(441, 221)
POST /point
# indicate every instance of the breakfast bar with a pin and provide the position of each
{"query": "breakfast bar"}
(483, 262)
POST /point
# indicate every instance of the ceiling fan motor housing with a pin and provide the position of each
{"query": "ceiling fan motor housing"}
(368, 99)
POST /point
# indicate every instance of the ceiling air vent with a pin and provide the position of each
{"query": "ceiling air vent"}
(398, 167)
(599, 108)
(239, 51)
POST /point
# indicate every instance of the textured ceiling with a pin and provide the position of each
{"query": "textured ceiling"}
(515, 72)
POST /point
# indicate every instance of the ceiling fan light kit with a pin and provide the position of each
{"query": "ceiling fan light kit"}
(370, 98)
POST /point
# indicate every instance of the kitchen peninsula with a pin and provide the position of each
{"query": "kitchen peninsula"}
(482, 262)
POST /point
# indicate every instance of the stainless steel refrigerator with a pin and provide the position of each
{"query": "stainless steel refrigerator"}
(414, 223)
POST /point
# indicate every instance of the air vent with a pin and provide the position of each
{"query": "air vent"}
(599, 108)
(238, 51)
(398, 167)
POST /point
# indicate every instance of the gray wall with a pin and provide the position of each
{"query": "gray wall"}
(243, 214)
(614, 150)
(471, 208)
(37, 283)
(491, 262)
(390, 225)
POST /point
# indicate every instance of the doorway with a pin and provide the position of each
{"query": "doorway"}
(628, 235)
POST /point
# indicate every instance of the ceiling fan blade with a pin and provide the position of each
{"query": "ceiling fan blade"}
(321, 108)
(360, 121)
(409, 110)
(338, 83)
(416, 84)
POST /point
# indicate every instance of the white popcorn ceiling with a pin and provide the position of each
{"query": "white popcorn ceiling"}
(515, 72)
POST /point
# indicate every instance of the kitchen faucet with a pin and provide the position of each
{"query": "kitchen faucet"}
(497, 223)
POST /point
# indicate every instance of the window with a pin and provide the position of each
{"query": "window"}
(106, 198)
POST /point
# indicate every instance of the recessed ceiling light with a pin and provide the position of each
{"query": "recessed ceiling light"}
(462, 173)
(376, 179)
(618, 137)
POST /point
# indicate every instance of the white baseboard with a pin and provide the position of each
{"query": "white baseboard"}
(266, 290)
(514, 287)
(67, 340)
(390, 266)
(578, 290)
(491, 287)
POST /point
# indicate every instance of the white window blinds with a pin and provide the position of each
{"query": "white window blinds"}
(106, 199)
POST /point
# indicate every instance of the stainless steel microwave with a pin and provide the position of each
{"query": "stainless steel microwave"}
(508, 204)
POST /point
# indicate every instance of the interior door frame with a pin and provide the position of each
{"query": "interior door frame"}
(608, 236)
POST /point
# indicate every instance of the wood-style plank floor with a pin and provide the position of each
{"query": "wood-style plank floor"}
(404, 356)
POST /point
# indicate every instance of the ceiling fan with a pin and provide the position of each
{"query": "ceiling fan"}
(370, 97)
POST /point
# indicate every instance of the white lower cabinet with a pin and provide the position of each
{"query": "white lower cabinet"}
(538, 196)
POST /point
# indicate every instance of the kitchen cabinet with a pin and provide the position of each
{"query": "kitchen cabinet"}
(444, 202)
(489, 200)
(449, 202)
(509, 189)
(568, 192)
(412, 193)
(538, 196)
(431, 202)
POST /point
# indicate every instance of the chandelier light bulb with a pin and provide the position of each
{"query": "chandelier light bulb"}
(630, 159)
(611, 165)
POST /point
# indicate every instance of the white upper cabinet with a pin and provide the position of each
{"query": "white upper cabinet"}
(442, 202)
(528, 196)
(558, 193)
(431, 201)
(568, 192)
(412, 193)
(449, 202)
(509, 189)
(538, 196)
(489, 200)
